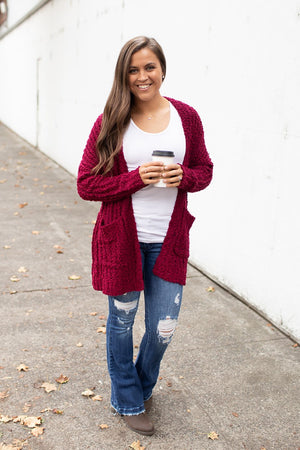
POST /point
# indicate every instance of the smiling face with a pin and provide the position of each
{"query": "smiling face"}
(145, 75)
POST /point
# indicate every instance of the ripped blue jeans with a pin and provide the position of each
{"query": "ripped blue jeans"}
(132, 383)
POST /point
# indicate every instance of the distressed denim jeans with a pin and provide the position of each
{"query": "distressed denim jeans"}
(132, 383)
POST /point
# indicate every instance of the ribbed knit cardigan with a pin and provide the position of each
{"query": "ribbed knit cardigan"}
(116, 257)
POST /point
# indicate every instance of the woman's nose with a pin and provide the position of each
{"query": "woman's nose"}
(143, 75)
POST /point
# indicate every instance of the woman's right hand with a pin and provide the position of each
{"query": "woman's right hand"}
(151, 172)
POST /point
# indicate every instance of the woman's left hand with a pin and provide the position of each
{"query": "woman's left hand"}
(172, 175)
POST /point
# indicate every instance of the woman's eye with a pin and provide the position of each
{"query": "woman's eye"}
(132, 70)
(150, 67)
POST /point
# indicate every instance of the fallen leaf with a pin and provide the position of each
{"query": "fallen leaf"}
(22, 205)
(59, 248)
(74, 277)
(102, 317)
(62, 379)
(296, 345)
(35, 232)
(7, 247)
(101, 330)
(49, 387)
(37, 431)
(4, 394)
(46, 410)
(3, 181)
(23, 368)
(26, 407)
(22, 269)
(9, 447)
(5, 419)
(210, 289)
(169, 383)
(87, 393)
(213, 435)
(30, 422)
(14, 278)
(103, 426)
(93, 313)
(235, 414)
(57, 411)
(137, 446)
(79, 344)
(97, 398)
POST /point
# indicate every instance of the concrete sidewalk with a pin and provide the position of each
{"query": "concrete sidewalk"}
(227, 370)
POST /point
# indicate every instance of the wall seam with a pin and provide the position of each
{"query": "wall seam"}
(258, 311)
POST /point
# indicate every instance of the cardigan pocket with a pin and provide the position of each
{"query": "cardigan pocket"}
(113, 244)
(181, 247)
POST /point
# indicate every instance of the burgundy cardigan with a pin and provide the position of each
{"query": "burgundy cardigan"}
(117, 264)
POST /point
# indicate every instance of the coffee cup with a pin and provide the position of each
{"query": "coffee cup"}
(165, 156)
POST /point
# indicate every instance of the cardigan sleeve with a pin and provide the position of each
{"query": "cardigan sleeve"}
(103, 188)
(198, 169)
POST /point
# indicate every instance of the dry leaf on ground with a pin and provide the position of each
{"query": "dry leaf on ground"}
(4, 394)
(35, 232)
(97, 398)
(37, 431)
(15, 446)
(210, 289)
(62, 379)
(74, 277)
(93, 313)
(23, 368)
(49, 387)
(31, 422)
(137, 446)
(14, 278)
(58, 248)
(5, 419)
(22, 269)
(26, 407)
(79, 344)
(103, 426)
(101, 330)
(87, 393)
(57, 411)
(22, 205)
(213, 435)
(46, 410)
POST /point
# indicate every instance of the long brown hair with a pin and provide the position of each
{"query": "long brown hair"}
(116, 114)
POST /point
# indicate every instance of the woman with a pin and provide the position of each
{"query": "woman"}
(140, 240)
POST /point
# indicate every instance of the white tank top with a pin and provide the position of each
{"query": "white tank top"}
(153, 206)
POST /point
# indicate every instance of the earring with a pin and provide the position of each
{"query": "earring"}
(163, 77)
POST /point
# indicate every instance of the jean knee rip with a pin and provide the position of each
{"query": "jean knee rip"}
(166, 328)
(127, 307)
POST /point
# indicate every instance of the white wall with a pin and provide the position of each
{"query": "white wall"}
(238, 64)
